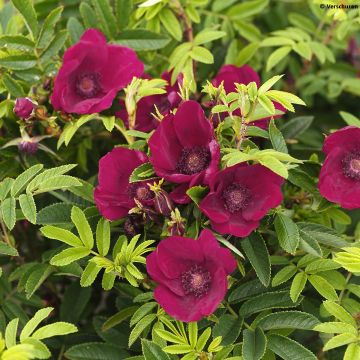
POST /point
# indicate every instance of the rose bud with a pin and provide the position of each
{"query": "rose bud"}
(162, 201)
(28, 147)
(24, 108)
(176, 226)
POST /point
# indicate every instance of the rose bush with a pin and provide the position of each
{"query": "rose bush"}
(159, 198)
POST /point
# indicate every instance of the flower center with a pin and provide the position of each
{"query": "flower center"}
(351, 165)
(140, 191)
(235, 197)
(193, 160)
(196, 281)
(88, 85)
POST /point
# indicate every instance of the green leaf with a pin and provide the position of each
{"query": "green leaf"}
(89, 274)
(352, 352)
(288, 320)
(303, 49)
(171, 23)
(57, 183)
(288, 349)
(197, 193)
(267, 104)
(202, 54)
(18, 62)
(63, 235)
(339, 216)
(28, 207)
(277, 56)
(6, 249)
(340, 340)
(5, 187)
(274, 165)
(119, 317)
(12, 86)
(55, 45)
(247, 9)
(39, 349)
(34, 322)
(256, 251)
(152, 351)
(322, 234)
(142, 311)
(26, 9)
(276, 138)
(96, 351)
(142, 172)
(297, 286)
(105, 17)
(335, 328)
(348, 118)
(271, 300)
(17, 42)
(103, 237)
(284, 275)
(123, 10)
(88, 15)
(36, 278)
(246, 53)
(140, 326)
(48, 27)
(75, 29)
(321, 265)
(140, 39)
(296, 126)
(287, 232)
(339, 312)
(108, 280)
(70, 255)
(228, 328)
(21, 181)
(203, 339)
(8, 214)
(323, 287)
(269, 84)
(254, 344)
(82, 225)
(57, 329)
(208, 35)
(10, 333)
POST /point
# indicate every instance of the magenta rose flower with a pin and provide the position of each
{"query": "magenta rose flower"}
(339, 179)
(231, 74)
(92, 73)
(239, 197)
(24, 108)
(183, 149)
(191, 275)
(114, 195)
(145, 121)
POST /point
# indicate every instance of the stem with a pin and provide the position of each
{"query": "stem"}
(129, 139)
(342, 293)
(5, 234)
(231, 310)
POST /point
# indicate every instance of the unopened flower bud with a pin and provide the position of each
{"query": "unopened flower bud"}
(24, 108)
(133, 225)
(28, 147)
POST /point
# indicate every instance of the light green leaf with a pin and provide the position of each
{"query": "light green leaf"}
(339, 312)
(18, 62)
(24, 178)
(8, 214)
(56, 329)
(48, 27)
(89, 274)
(10, 333)
(297, 285)
(70, 255)
(352, 352)
(303, 49)
(26, 9)
(152, 351)
(323, 287)
(277, 56)
(33, 323)
(335, 328)
(202, 54)
(82, 225)
(284, 275)
(103, 237)
(171, 23)
(208, 35)
(67, 237)
(340, 340)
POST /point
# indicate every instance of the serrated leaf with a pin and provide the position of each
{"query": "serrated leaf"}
(339, 312)
(170, 23)
(228, 328)
(323, 287)
(10, 332)
(48, 27)
(335, 328)
(28, 207)
(89, 274)
(18, 62)
(65, 236)
(256, 251)
(284, 275)
(340, 340)
(140, 39)
(6, 249)
(119, 317)
(201, 54)
(95, 351)
(254, 344)
(24, 178)
(277, 56)
(152, 351)
(288, 320)
(287, 232)
(8, 214)
(82, 225)
(26, 9)
(70, 255)
(140, 326)
(33, 323)
(297, 285)
(208, 35)
(276, 138)
(36, 278)
(56, 329)
(289, 349)
(103, 237)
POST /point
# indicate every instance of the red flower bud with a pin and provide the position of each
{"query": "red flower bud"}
(24, 108)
